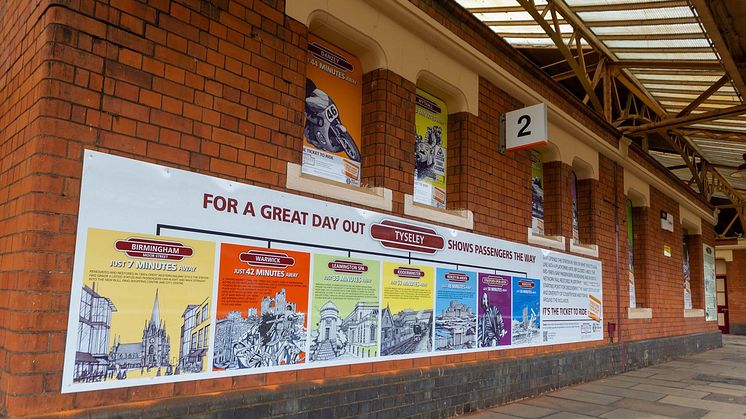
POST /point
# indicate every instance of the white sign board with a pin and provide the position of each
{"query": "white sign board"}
(525, 128)
(180, 276)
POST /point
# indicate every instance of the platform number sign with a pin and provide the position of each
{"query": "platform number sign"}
(525, 128)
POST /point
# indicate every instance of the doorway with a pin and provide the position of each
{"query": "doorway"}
(721, 297)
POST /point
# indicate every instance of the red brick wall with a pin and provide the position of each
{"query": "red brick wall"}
(588, 204)
(388, 133)
(217, 88)
(36, 210)
(557, 199)
(494, 186)
(736, 287)
(610, 213)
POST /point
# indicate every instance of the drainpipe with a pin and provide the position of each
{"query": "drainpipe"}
(622, 348)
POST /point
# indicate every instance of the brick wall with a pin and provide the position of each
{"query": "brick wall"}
(736, 287)
(388, 133)
(217, 87)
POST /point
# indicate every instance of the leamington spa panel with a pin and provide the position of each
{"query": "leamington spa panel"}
(180, 276)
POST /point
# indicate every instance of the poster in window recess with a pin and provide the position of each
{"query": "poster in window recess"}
(431, 121)
(195, 277)
(537, 193)
(333, 112)
(708, 256)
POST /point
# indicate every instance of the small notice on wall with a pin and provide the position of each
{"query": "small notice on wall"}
(667, 221)
(666, 250)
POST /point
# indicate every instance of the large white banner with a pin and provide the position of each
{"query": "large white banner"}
(180, 276)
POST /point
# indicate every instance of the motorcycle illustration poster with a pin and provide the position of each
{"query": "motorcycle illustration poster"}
(262, 307)
(333, 111)
(344, 311)
(431, 120)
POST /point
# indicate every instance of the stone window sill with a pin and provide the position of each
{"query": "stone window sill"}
(694, 312)
(639, 313)
(554, 242)
(584, 249)
(376, 197)
(458, 218)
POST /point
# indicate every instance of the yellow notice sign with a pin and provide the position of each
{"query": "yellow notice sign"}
(666, 250)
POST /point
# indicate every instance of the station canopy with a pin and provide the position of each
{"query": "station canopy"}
(668, 74)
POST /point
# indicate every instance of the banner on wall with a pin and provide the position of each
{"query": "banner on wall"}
(333, 110)
(180, 276)
(431, 121)
(708, 257)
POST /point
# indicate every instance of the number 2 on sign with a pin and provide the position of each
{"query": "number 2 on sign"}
(526, 121)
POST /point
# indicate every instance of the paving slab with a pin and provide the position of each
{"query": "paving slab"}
(522, 410)
(631, 414)
(682, 392)
(718, 415)
(644, 373)
(487, 414)
(585, 396)
(611, 382)
(714, 406)
(718, 390)
(568, 415)
(727, 398)
(621, 392)
(567, 405)
(662, 409)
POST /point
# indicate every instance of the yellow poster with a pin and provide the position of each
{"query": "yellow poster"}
(430, 150)
(144, 307)
(407, 309)
(333, 110)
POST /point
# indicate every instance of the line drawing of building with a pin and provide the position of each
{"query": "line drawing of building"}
(94, 328)
(353, 336)
(455, 327)
(274, 336)
(156, 344)
(195, 335)
(152, 351)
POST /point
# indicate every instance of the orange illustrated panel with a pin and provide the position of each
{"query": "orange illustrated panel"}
(262, 307)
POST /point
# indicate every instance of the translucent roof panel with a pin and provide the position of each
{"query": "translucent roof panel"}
(526, 29)
(605, 2)
(678, 77)
(666, 55)
(663, 29)
(533, 42)
(581, 3)
(636, 15)
(504, 17)
(475, 4)
(659, 43)
(719, 127)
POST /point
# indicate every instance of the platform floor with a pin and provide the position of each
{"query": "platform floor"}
(711, 384)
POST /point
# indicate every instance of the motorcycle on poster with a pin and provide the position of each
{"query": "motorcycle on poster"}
(333, 108)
